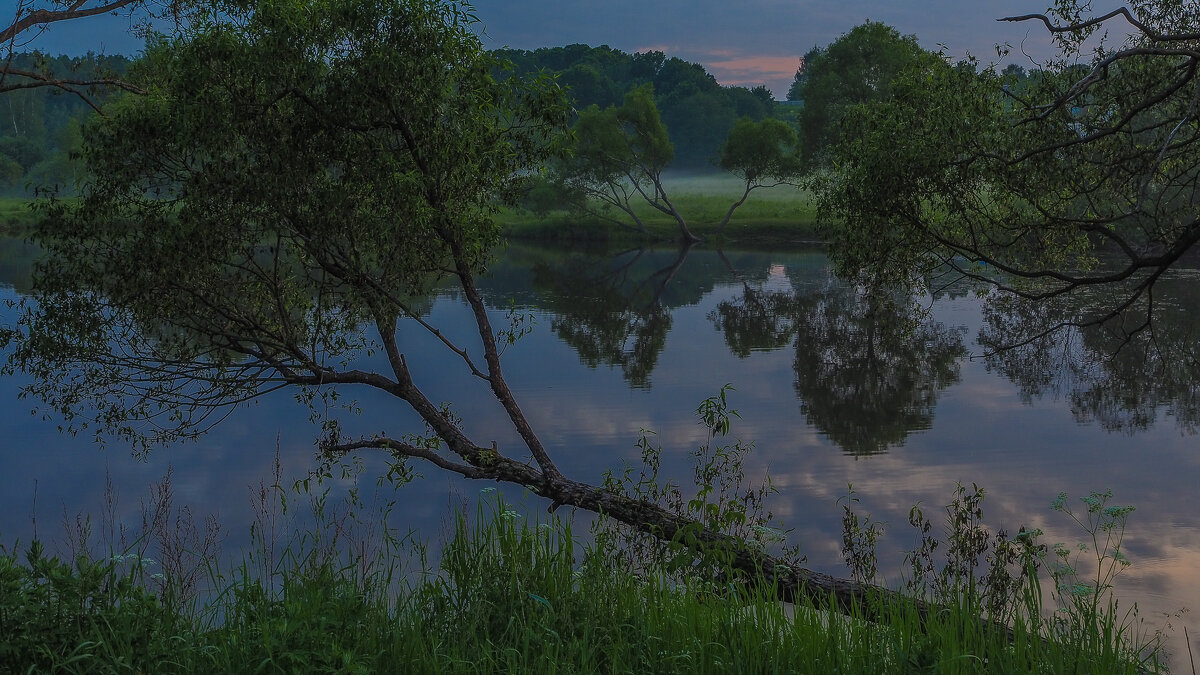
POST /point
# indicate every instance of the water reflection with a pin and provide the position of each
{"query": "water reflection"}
(1122, 373)
(865, 373)
(615, 310)
(16, 263)
(868, 366)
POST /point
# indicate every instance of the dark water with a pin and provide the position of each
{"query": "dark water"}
(891, 394)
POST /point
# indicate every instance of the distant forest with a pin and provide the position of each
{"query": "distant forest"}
(697, 111)
(40, 126)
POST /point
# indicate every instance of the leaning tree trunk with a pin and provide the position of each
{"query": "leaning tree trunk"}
(463, 456)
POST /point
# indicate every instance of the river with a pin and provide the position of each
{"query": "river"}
(894, 395)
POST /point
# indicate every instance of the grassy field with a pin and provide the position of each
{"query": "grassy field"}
(778, 216)
(781, 215)
(15, 214)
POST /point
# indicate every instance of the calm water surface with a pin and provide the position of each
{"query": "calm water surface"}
(833, 388)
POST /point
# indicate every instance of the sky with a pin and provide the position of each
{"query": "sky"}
(741, 42)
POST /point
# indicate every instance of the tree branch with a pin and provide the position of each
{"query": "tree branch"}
(42, 17)
(1121, 11)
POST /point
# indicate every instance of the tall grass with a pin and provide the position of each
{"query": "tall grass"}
(329, 586)
(509, 595)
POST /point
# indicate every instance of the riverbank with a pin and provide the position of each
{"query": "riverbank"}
(15, 215)
(782, 215)
(506, 596)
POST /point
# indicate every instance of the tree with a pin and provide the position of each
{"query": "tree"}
(800, 80)
(40, 129)
(619, 156)
(856, 68)
(697, 111)
(1083, 182)
(762, 154)
(293, 200)
(33, 17)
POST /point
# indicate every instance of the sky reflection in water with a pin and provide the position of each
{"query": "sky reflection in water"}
(833, 387)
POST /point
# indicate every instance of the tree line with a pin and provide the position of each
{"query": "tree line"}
(697, 111)
(40, 127)
(41, 124)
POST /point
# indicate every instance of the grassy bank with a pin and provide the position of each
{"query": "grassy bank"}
(783, 215)
(15, 215)
(776, 216)
(507, 596)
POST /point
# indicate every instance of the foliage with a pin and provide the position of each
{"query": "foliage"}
(859, 537)
(618, 157)
(506, 595)
(723, 501)
(78, 614)
(294, 201)
(988, 573)
(857, 68)
(762, 154)
(697, 111)
(285, 196)
(42, 128)
(999, 590)
(1080, 178)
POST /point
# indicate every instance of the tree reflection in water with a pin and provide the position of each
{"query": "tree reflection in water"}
(1121, 373)
(613, 311)
(868, 366)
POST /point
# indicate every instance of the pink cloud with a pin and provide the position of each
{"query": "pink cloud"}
(753, 69)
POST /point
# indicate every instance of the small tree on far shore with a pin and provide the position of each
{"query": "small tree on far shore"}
(619, 156)
(763, 154)
(620, 153)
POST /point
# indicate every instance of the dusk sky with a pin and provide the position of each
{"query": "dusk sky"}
(749, 42)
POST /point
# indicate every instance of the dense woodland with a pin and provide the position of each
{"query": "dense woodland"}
(40, 126)
(697, 111)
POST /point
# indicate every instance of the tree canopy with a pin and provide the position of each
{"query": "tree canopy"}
(763, 154)
(31, 18)
(855, 69)
(618, 157)
(697, 111)
(287, 191)
(1082, 178)
(42, 129)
